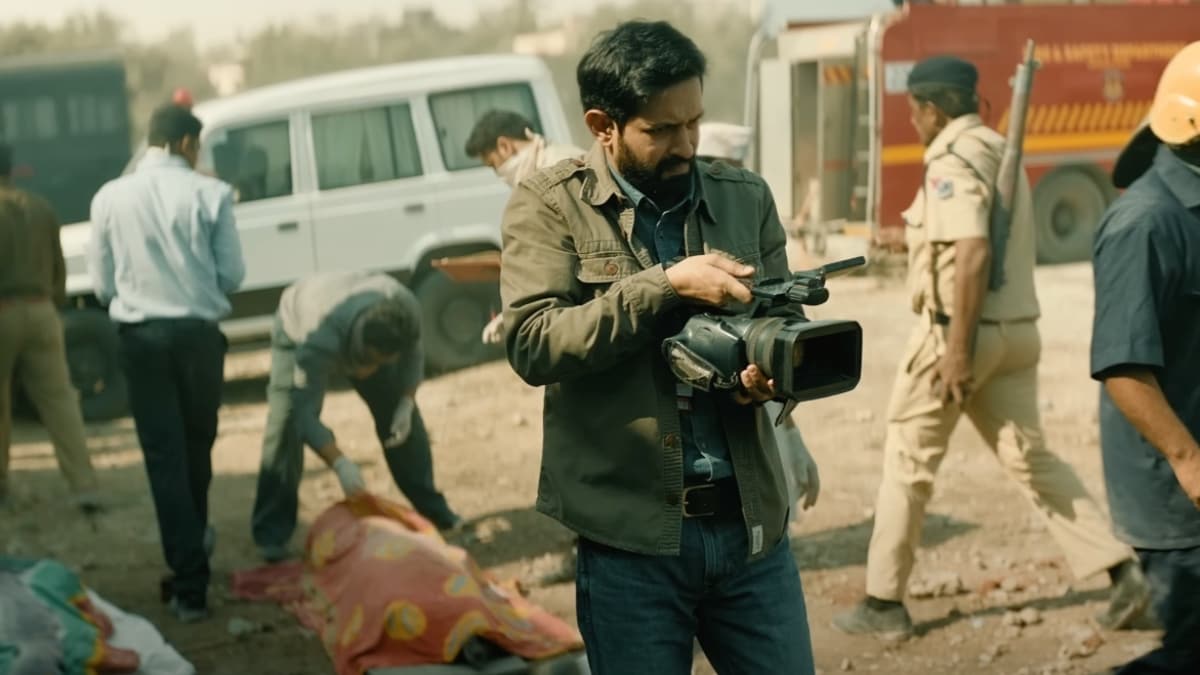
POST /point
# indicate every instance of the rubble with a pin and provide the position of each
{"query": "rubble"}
(992, 653)
(847, 664)
(940, 585)
(1080, 642)
(1010, 632)
(1025, 617)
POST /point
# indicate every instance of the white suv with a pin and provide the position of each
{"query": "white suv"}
(359, 170)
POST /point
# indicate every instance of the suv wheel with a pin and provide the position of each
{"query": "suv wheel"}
(453, 315)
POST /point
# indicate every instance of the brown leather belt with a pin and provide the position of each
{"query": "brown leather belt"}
(706, 500)
(10, 300)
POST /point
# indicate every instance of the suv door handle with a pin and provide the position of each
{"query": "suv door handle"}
(288, 227)
(417, 207)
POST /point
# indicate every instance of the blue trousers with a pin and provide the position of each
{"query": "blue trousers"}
(639, 614)
(1174, 577)
(175, 369)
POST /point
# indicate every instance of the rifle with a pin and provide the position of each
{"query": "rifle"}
(1008, 177)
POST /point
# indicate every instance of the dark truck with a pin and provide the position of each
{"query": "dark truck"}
(66, 117)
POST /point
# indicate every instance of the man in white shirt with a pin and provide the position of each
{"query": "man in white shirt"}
(164, 255)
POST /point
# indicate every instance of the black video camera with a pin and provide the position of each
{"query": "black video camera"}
(806, 359)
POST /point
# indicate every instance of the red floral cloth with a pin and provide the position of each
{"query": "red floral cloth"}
(381, 588)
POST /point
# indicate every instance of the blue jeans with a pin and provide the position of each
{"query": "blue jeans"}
(1174, 577)
(639, 614)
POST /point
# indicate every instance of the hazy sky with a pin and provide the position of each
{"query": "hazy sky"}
(221, 20)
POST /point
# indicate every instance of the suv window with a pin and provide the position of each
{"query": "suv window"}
(455, 113)
(350, 147)
(256, 160)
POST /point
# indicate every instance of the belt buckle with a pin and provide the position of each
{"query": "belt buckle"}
(693, 488)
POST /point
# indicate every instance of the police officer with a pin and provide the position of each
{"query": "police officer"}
(1144, 337)
(973, 350)
(32, 287)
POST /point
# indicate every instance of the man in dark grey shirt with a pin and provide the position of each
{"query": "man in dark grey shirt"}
(1146, 351)
(368, 327)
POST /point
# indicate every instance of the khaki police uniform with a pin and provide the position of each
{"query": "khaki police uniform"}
(953, 204)
(32, 348)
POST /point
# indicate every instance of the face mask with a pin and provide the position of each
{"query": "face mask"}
(520, 165)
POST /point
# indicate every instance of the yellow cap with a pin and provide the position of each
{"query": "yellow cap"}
(1175, 115)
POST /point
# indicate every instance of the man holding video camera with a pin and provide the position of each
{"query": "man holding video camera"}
(677, 495)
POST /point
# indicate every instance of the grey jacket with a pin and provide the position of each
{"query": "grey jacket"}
(316, 319)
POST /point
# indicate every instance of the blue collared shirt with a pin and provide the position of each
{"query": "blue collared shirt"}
(1147, 318)
(164, 243)
(705, 450)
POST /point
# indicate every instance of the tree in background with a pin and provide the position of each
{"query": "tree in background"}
(153, 70)
(292, 49)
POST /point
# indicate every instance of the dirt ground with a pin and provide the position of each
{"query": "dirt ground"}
(486, 428)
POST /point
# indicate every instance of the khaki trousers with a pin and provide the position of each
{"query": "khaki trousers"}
(1004, 409)
(31, 343)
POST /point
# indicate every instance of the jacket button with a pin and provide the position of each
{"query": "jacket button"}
(673, 499)
(670, 440)
(610, 268)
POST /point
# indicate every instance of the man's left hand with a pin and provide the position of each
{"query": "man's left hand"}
(756, 388)
(401, 423)
(952, 380)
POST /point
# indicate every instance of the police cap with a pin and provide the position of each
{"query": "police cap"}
(947, 71)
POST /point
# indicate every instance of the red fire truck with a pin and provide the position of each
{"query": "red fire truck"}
(837, 148)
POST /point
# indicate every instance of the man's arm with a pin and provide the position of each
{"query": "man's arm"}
(100, 256)
(972, 260)
(307, 394)
(1135, 269)
(411, 364)
(553, 331)
(227, 246)
(957, 214)
(1138, 396)
(58, 271)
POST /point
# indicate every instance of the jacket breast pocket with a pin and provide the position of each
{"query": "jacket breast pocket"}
(598, 273)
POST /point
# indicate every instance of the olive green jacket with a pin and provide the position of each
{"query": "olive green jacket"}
(586, 310)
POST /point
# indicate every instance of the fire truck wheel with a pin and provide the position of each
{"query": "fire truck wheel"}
(1067, 205)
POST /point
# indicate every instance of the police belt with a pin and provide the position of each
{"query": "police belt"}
(716, 499)
(940, 319)
(22, 299)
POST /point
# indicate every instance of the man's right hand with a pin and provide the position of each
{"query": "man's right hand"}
(711, 279)
(349, 476)
(1187, 472)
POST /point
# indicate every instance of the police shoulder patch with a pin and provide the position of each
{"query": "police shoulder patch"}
(943, 188)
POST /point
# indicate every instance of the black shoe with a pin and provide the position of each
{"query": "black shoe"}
(188, 613)
(1129, 598)
(867, 618)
